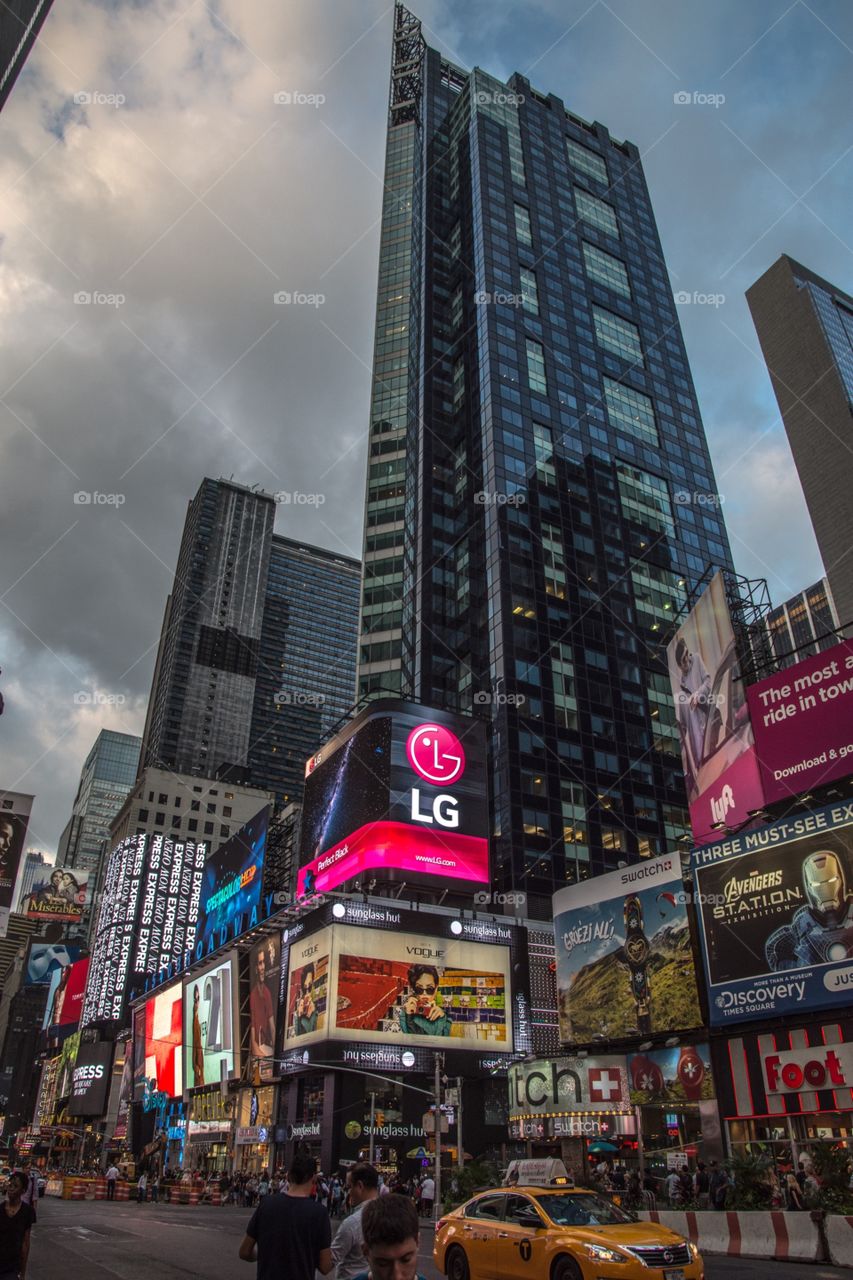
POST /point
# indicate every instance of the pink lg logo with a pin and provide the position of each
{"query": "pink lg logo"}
(435, 754)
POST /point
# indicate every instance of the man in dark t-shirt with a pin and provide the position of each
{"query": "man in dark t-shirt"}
(292, 1233)
(16, 1219)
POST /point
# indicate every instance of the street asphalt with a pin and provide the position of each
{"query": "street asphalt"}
(74, 1240)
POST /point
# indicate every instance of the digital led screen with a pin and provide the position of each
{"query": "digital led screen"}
(264, 980)
(231, 885)
(211, 1025)
(624, 955)
(400, 794)
(90, 1079)
(159, 1025)
(775, 907)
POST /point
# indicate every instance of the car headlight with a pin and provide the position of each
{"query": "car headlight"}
(693, 1250)
(600, 1253)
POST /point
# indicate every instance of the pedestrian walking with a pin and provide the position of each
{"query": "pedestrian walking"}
(31, 1191)
(155, 1189)
(142, 1188)
(112, 1179)
(291, 1233)
(347, 1252)
(16, 1220)
(390, 1228)
(427, 1197)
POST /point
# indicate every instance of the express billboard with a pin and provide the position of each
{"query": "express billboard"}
(775, 907)
(212, 1024)
(158, 1052)
(717, 743)
(400, 794)
(231, 885)
(624, 957)
(371, 986)
(90, 1079)
(803, 722)
(60, 895)
(15, 809)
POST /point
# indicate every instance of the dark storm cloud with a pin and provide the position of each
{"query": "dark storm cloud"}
(146, 163)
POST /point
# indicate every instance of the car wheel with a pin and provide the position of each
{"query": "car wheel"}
(566, 1269)
(456, 1265)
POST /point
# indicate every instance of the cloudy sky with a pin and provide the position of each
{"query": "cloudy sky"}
(145, 163)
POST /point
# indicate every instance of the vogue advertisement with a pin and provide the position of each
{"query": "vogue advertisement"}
(60, 894)
(14, 818)
(231, 885)
(211, 1025)
(776, 913)
(305, 989)
(803, 722)
(679, 1074)
(264, 980)
(624, 958)
(398, 795)
(717, 745)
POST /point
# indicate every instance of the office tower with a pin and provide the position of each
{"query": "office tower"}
(257, 654)
(805, 328)
(33, 866)
(801, 627)
(540, 496)
(20, 23)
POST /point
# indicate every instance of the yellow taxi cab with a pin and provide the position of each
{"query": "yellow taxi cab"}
(553, 1233)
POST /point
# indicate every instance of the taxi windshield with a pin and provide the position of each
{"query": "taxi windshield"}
(580, 1210)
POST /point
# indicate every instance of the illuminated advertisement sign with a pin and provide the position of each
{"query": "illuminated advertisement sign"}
(400, 794)
(786, 1071)
(65, 997)
(370, 986)
(231, 887)
(15, 811)
(568, 1084)
(59, 895)
(717, 744)
(158, 1024)
(624, 958)
(803, 721)
(776, 913)
(147, 918)
(44, 959)
(90, 1078)
(679, 1074)
(265, 978)
(211, 1025)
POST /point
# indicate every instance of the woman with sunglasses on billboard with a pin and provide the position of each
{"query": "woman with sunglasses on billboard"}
(422, 1014)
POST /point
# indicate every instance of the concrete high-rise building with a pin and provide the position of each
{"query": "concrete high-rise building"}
(540, 494)
(257, 655)
(32, 866)
(805, 328)
(800, 627)
(20, 23)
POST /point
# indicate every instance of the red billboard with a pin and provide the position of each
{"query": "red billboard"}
(400, 794)
(803, 723)
(65, 998)
(717, 743)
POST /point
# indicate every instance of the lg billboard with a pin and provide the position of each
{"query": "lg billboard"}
(776, 912)
(399, 795)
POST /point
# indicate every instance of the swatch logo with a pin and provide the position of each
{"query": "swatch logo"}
(435, 754)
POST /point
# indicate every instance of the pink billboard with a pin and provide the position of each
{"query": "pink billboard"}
(803, 722)
(397, 846)
(717, 744)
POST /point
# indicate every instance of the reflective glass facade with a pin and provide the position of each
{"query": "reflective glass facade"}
(557, 478)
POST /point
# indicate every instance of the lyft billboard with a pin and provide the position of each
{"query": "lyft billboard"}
(401, 793)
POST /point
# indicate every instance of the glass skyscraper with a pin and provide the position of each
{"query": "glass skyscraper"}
(257, 655)
(540, 494)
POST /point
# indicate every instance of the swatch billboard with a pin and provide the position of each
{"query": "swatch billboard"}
(14, 818)
(159, 1041)
(624, 956)
(399, 795)
(803, 722)
(775, 906)
(231, 886)
(675, 1075)
(717, 744)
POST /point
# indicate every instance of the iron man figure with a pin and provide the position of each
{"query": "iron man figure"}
(822, 931)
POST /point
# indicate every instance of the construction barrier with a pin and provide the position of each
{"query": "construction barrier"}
(78, 1189)
(216, 1195)
(122, 1190)
(839, 1239)
(101, 1189)
(791, 1237)
(195, 1194)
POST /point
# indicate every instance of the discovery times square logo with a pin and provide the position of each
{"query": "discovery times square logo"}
(435, 754)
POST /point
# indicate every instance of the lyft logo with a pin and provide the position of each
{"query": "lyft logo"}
(435, 754)
(721, 806)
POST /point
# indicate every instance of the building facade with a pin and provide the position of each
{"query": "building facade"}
(540, 496)
(802, 626)
(805, 328)
(32, 868)
(20, 23)
(258, 648)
